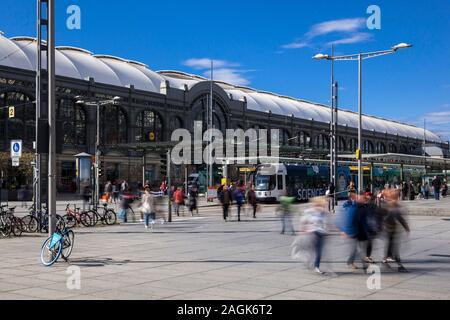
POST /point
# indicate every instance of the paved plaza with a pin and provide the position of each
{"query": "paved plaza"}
(203, 257)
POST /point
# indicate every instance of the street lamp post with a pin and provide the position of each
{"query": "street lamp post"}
(360, 57)
(97, 104)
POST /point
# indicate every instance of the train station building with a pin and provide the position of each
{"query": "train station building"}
(154, 103)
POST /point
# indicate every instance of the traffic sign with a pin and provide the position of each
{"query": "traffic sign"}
(16, 148)
(11, 112)
(15, 162)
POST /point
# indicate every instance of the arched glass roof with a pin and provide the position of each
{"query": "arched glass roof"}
(20, 52)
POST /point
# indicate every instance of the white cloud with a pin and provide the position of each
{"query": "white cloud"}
(437, 121)
(205, 63)
(223, 70)
(356, 38)
(349, 28)
(342, 25)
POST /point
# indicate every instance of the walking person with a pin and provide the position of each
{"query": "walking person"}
(394, 218)
(239, 198)
(444, 189)
(251, 198)
(313, 222)
(330, 195)
(86, 197)
(285, 210)
(226, 200)
(178, 197)
(148, 208)
(192, 199)
(436, 187)
(124, 205)
(115, 192)
(123, 187)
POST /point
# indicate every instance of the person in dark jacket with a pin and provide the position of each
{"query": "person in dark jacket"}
(436, 183)
(239, 198)
(251, 198)
(226, 200)
(392, 221)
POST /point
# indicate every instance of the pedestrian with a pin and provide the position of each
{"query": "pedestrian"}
(123, 187)
(238, 196)
(178, 197)
(355, 227)
(86, 195)
(436, 183)
(148, 207)
(314, 223)
(251, 199)
(192, 200)
(115, 192)
(426, 190)
(444, 189)
(108, 191)
(285, 211)
(124, 205)
(330, 193)
(393, 219)
(412, 191)
(226, 200)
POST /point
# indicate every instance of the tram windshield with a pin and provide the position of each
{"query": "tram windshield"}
(265, 182)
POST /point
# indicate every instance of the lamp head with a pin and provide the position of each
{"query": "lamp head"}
(401, 45)
(321, 56)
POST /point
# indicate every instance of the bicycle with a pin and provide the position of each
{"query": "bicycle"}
(59, 244)
(37, 221)
(74, 217)
(108, 216)
(10, 223)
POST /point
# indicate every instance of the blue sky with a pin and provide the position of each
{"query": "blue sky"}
(268, 45)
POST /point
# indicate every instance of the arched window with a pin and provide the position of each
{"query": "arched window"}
(175, 123)
(392, 148)
(368, 147)
(218, 119)
(149, 126)
(403, 149)
(22, 126)
(113, 125)
(342, 146)
(322, 142)
(304, 139)
(381, 147)
(73, 118)
(352, 145)
(285, 137)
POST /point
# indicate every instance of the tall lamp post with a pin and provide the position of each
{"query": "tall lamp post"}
(97, 104)
(360, 57)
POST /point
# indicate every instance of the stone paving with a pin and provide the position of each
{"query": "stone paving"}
(203, 257)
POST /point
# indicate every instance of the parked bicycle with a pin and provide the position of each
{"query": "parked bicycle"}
(9, 223)
(60, 244)
(37, 221)
(108, 216)
(74, 217)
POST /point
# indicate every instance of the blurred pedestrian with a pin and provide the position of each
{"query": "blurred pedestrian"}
(436, 183)
(178, 198)
(192, 200)
(226, 199)
(426, 190)
(115, 192)
(251, 199)
(239, 198)
(148, 208)
(393, 219)
(444, 189)
(314, 223)
(285, 211)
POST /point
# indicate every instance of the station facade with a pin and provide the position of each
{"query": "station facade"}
(153, 104)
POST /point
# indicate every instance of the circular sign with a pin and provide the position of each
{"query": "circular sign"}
(151, 136)
(16, 147)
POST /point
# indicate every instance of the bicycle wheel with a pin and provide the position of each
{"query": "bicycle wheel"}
(17, 226)
(85, 219)
(94, 217)
(110, 217)
(70, 221)
(68, 241)
(49, 256)
(31, 224)
(5, 229)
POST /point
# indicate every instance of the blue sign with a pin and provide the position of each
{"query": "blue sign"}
(16, 147)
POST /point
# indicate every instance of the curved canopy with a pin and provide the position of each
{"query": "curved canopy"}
(20, 52)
